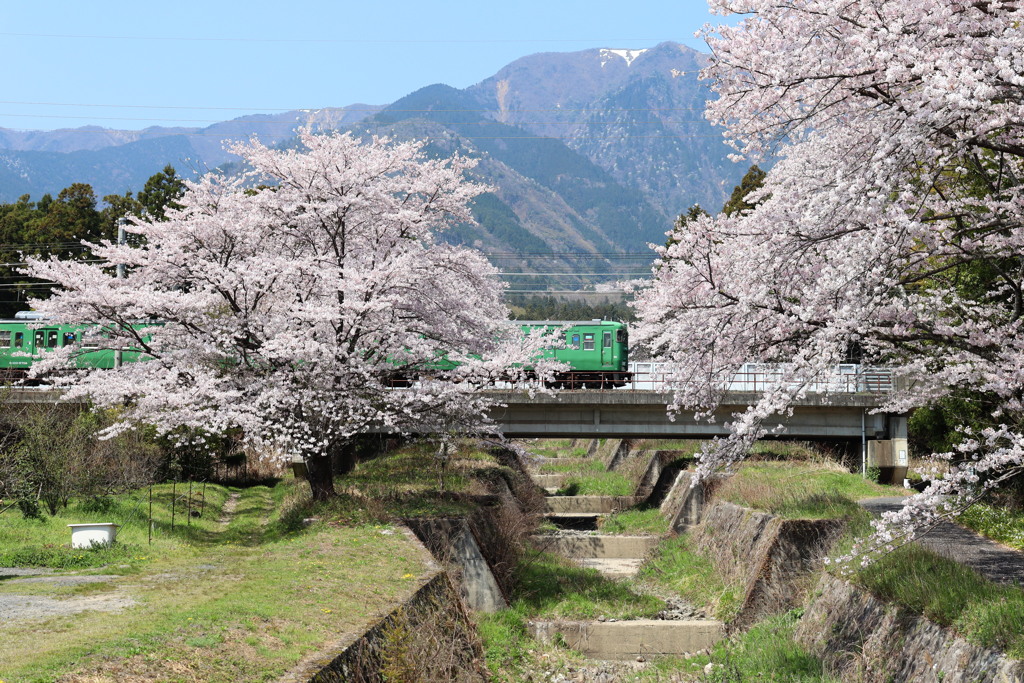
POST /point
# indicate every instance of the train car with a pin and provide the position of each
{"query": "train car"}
(596, 350)
(29, 335)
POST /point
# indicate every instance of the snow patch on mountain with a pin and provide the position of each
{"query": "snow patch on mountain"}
(628, 55)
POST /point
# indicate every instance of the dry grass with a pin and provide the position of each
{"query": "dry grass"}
(812, 489)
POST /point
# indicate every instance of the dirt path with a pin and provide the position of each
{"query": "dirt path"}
(228, 511)
(990, 559)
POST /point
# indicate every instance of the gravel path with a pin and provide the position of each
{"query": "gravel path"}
(994, 561)
(20, 607)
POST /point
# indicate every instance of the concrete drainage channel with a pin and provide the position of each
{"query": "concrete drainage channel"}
(618, 557)
(770, 556)
(456, 544)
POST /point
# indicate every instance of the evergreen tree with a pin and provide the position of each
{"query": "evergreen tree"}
(752, 180)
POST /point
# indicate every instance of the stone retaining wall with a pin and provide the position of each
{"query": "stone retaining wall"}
(865, 639)
(773, 557)
(428, 638)
(453, 543)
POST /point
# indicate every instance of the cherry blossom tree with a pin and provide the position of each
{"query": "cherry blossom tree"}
(890, 223)
(295, 300)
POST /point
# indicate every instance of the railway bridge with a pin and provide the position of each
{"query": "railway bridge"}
(624, 414)
(840, 408)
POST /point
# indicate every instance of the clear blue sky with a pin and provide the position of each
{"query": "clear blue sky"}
(134, 64)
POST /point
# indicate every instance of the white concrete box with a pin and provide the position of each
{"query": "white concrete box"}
(93, 535)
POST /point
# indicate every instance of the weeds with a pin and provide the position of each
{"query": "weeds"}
(799, 490)
(647, 521)
(950, 594)
(550, 587)
(597, 484)
(678, 568)
(998, 523)
(767, 652)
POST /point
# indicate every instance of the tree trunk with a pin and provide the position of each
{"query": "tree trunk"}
(345, 458)
(320, 476)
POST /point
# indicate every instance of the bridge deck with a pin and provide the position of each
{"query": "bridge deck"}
(624, 414)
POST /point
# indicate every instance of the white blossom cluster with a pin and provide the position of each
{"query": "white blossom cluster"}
(891, 222)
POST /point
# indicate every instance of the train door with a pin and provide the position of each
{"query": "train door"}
(46, 338)
(607, 353)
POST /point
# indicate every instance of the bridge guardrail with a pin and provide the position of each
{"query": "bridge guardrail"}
(752, 378)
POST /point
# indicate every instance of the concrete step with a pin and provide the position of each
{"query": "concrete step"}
(588, 504)
(563, 461)
(599, 546)
(629, 639)
(613, 568)
(576, 521)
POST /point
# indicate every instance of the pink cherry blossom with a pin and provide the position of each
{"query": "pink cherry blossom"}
(290, 298)
(896, 126)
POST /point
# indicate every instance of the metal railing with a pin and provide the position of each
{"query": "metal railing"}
(757, 378)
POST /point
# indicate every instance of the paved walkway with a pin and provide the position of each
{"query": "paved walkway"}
(992, 560)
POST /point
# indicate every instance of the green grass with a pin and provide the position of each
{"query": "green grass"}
(686, 447)
(598, 484)
(950, 594)
(997, 523)
(579, 466)
(45, 542)
(240, 601)
(556, 448)
(677, 568)
(649, 521)
(800, 490)
(766, 652)
(549, 587)
(412, 483)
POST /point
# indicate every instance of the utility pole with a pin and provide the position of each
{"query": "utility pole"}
(121, 239)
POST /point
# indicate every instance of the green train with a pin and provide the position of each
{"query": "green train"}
(597, 351)
(28, 336)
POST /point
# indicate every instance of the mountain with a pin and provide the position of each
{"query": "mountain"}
(636, 113)
(588, 153)
(113, 161)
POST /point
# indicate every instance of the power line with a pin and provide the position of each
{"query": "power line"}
(342, 41)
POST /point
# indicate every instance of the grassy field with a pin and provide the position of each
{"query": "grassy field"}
(239, 594)
(800, 489)
(950, 594)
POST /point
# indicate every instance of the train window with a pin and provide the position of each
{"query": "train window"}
(575, 341)
(19, 340)
(69, 338)
(5, 338)
(606, 341)
(51, 338)
(588, 342)
(40, 339)
(620, 336)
